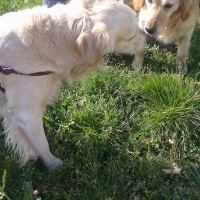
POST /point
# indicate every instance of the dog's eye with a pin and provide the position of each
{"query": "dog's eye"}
(150, 1)
(168, 5)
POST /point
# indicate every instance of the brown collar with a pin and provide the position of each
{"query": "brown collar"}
(9, 70)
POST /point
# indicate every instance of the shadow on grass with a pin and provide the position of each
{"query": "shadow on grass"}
(101, 171)
(162, 58)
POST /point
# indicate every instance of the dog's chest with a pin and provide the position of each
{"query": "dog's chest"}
(171, 32)
(167, 36)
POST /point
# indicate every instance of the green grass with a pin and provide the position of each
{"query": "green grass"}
(117, 131)
(13, 5)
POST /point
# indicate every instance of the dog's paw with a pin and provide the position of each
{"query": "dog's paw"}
(182, 66)
(136, 65)
(57, 162)
(138, 60)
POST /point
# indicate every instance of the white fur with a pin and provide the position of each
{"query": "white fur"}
(68, 40)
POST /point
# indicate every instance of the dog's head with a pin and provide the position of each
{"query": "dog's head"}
(115, 30)
(155, 14)
(129, 38)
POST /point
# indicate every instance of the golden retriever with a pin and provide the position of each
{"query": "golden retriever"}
(169, 21)
(43, 46)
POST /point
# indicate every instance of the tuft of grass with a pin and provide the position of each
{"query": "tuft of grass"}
(2, 193)
(172, 116)
(14, 5)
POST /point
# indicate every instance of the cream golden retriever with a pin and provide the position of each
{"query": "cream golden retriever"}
(42, 46)
(169, 21)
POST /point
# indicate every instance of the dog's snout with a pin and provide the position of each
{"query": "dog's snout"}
(150, 30)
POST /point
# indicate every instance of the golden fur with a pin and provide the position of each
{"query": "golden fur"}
(68, 40)
(169, 21)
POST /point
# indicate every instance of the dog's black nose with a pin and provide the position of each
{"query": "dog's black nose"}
(150, 30)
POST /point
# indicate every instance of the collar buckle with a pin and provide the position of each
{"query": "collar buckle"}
(7, 70)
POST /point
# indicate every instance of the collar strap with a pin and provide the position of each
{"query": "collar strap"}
(2, 89)
(9, 70)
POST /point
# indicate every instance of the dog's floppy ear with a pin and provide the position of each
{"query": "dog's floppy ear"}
(94, 43)
(136, 4)
(185, 9)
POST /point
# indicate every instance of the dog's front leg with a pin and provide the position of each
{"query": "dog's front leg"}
(138, 60)
(183, 46)
(29, 119)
